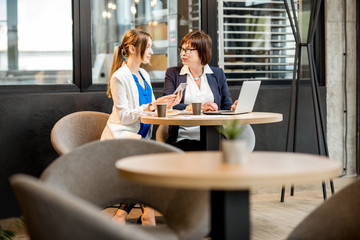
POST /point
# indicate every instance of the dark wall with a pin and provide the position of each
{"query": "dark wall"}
(272, 137)
(26, 121)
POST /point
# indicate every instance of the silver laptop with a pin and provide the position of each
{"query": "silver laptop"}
(246, 100)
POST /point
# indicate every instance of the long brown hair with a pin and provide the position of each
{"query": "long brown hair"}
(135, 37)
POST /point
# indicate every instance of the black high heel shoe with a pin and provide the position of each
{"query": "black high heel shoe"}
(139, 220)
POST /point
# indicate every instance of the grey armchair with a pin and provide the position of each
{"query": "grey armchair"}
(337, 218)
(50, 213)
(89, 172)
(77, 129)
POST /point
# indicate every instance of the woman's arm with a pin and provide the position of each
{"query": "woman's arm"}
(170, 84)
(226, 100)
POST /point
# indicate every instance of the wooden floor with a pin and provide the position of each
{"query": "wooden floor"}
(270, 219)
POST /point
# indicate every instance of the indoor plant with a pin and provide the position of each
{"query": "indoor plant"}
(6, 234)
(233, 149)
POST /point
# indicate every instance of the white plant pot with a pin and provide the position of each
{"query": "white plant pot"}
(234, 151)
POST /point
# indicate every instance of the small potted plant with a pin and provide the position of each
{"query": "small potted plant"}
(233, 149)
(6, 234)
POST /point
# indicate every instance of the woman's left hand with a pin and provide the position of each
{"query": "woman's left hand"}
(234, 105)
(209, 106)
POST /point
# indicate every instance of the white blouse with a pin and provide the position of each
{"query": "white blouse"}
(195, 94)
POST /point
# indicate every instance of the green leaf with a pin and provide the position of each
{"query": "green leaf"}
(231, 130)
(6, 234)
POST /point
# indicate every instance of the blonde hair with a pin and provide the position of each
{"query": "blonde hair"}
(135, 37)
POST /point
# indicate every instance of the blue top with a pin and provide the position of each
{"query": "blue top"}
(145, 97)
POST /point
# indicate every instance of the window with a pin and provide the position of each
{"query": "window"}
(36, 42)
(3, 38)
(167, 21)
(256, 40)
(67, 45)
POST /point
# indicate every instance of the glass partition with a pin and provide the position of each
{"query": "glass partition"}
(255, 40)
(167, 21)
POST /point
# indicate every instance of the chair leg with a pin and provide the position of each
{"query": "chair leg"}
(282, 193)
(332, 187)
(324, 190)
(323, 187)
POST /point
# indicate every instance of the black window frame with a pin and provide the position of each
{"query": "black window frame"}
(82, 61)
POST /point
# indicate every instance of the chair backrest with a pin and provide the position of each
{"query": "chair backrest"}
(77, 129)
(53, 214)
(336, 218)
(89, 172)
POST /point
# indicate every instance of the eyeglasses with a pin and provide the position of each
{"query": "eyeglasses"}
(186, 50)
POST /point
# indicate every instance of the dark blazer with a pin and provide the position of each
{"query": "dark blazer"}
(217, 83)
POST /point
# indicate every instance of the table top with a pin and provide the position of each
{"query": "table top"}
(205, 170)
(214, 120)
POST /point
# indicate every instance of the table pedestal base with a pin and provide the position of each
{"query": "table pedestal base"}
(210, 137)
(230, 218)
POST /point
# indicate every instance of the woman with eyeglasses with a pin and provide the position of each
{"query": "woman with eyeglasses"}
(205, 84)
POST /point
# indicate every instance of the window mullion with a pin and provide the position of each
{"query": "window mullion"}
(84, 44)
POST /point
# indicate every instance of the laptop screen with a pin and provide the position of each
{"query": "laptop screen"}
(247, 96)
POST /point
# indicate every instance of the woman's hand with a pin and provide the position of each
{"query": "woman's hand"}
(169, 100)
(178, 98)
(189, 108)
(209, 106)
(234, 105)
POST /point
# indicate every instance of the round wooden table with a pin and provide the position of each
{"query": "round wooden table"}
(229, 183)
(214, 120)
(208, 123)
